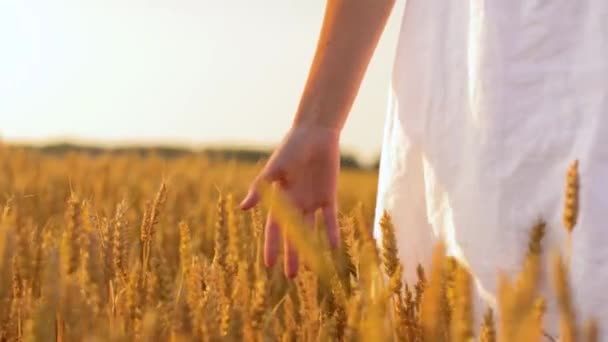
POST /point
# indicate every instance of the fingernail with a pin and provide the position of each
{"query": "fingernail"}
(292, 274)
(335, 243)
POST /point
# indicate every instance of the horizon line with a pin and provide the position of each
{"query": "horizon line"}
(168, 143)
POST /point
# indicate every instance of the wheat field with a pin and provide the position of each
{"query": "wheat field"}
(132, 248)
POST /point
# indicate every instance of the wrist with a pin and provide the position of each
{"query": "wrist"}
(318, 112)
(327, 129)
(317, 121)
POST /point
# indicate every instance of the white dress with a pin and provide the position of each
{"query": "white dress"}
(490, 102)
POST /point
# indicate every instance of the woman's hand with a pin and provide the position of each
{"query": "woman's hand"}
(305, 167)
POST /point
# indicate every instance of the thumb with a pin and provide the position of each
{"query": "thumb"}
(251, 199)
(269, 174)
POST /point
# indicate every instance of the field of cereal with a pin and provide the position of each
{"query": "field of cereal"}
(133, 248)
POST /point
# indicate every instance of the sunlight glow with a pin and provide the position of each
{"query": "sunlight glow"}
(179, 71)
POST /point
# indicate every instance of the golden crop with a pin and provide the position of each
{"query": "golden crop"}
(129, 248)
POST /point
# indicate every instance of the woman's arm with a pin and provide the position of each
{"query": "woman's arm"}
(350, 33)
(305, 166)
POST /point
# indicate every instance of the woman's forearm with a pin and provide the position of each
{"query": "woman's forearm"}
(350, 33)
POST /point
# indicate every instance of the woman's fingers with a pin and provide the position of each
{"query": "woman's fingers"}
(272, 238)
(291, 258)
(292, 262)
(330, 217)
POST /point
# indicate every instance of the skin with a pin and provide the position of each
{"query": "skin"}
(306, 163)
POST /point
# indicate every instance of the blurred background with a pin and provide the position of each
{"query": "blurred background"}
(177, 73)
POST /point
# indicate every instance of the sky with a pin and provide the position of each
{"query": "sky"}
(179, 72)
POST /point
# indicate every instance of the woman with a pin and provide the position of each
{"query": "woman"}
(490, 102)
